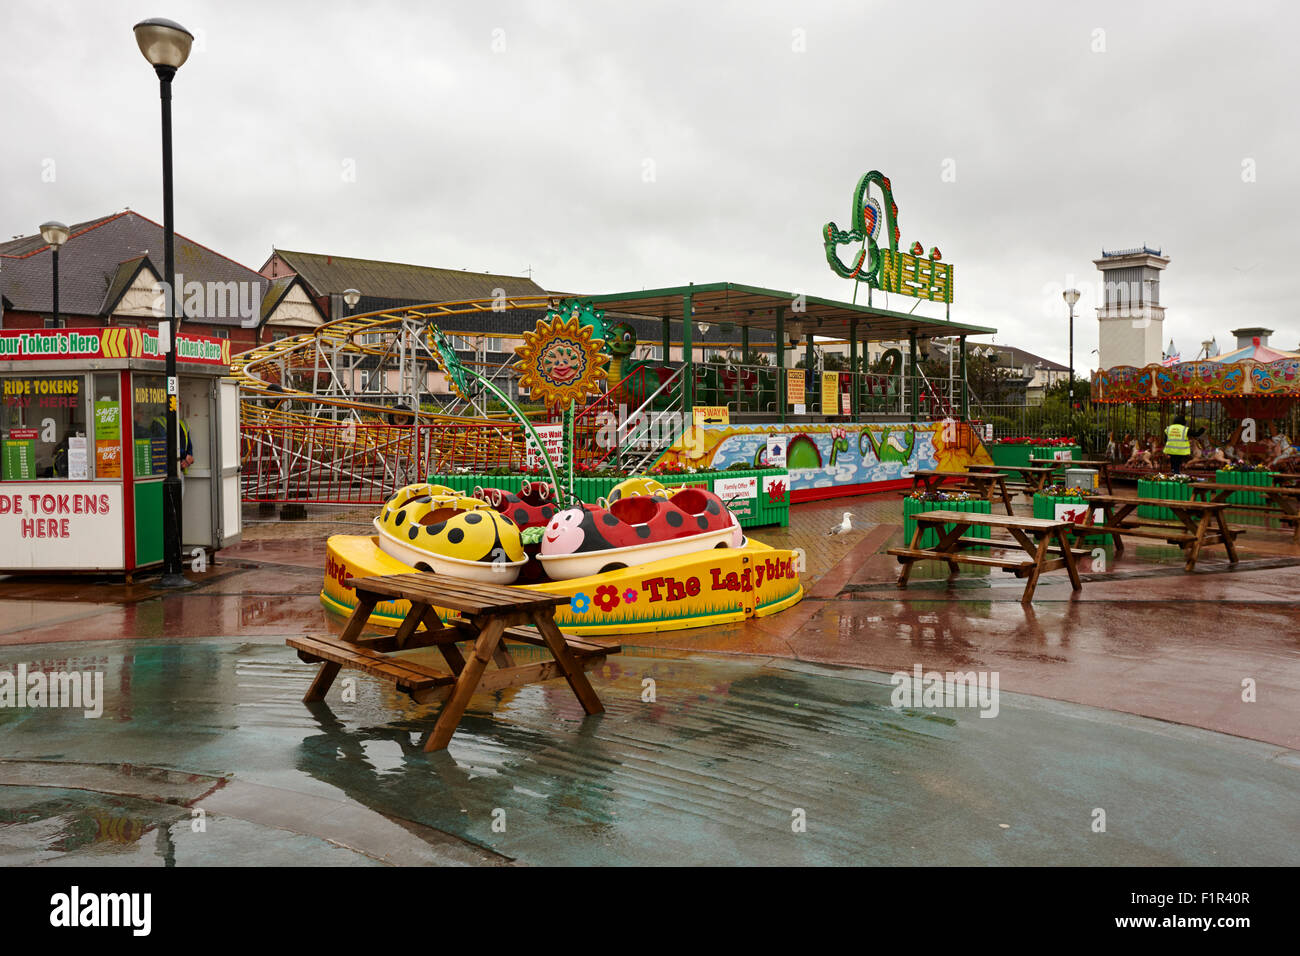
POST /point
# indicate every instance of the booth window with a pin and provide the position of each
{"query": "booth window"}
(149, 424)
(106, 424)
(43, 427)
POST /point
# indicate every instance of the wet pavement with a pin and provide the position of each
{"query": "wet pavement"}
(1133, 697)
(718, 768)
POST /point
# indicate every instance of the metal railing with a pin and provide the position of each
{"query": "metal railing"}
(351, 463)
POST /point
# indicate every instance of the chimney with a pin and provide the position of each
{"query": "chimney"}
(1247, 337)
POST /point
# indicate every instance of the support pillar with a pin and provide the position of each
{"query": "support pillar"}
(780, 363)
(853, 369)
(744, 345)
(668, 341)
(688, 363)
(810, 377)
(914, 382)
(965, 390)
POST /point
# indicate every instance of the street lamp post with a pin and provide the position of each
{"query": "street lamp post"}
(1071, 296)
(56, 234)
(166, 45)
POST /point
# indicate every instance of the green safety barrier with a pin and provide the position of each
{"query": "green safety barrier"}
(1019, 454)
(757, 512)
(930, 538)
(1171, 490)
(1045, 508)
(1264, 478)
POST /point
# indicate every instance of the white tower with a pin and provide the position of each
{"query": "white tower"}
(1130, 320)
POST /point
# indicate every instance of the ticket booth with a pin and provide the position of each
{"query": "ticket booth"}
(83, 449)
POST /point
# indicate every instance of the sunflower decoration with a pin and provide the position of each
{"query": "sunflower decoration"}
(564, 359)
(452, 367)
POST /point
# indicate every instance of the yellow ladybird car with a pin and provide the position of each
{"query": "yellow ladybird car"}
(431, 528)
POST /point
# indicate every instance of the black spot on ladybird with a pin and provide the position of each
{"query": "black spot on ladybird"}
(415, 529)
(455, 535)
(674, 518)
(436, 528)
(703, 522)
(401, 516)
(473, 517)
(521, 515)
(643, 531)
(712, 507)
(609, 520)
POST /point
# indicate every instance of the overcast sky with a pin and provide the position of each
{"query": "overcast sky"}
(616, 146)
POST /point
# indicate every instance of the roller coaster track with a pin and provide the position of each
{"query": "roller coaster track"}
(260, 370)
(296, 423)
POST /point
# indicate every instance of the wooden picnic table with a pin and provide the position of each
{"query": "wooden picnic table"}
(489, 614)
(983, 484)
(1057, 464)
(1026, 554)
(1033, 477)
(1201, 524)
(1281, 501)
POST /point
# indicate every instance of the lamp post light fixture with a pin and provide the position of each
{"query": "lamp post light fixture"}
(56, 234)
(351, 297)
(166, 45)
(1071, 296)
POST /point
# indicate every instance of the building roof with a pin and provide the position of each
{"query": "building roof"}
(1142, 250)
(396, 281)
(756, 307)
(1019, 358)
(98, 262)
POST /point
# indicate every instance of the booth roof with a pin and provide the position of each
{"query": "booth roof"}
(756, 308)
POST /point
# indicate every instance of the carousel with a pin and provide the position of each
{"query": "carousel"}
(1257, 387)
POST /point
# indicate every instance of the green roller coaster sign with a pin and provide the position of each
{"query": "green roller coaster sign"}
(910, 273)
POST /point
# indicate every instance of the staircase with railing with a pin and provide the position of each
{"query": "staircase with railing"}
(608, 433)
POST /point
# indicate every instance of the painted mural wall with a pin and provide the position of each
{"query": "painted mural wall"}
(822, 457)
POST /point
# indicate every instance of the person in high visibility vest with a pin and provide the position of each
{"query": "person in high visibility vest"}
(184, 445)
(1178, 445)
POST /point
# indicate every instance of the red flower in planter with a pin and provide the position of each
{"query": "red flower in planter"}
(606, 597)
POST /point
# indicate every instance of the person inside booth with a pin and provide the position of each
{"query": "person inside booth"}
(184, 443)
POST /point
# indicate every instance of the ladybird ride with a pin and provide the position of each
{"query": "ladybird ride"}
(646, 559)
(647, 562)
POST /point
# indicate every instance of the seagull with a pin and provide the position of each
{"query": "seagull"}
(844, 526)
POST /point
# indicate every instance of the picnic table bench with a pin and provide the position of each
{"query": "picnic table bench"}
(490, 615)
(983, 484)
(1032, 477)
(1200, 524)
(1281, 501)
(1059, 464)
(1027, 553)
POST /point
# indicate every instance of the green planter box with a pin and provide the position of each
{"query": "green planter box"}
(1264, 478)
(756, 512)
(1018, 454)
(1045, 508)
(1172, 490)
(931, 537)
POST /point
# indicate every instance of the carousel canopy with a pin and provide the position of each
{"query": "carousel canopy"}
(1255, 352)
(1255, 380)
